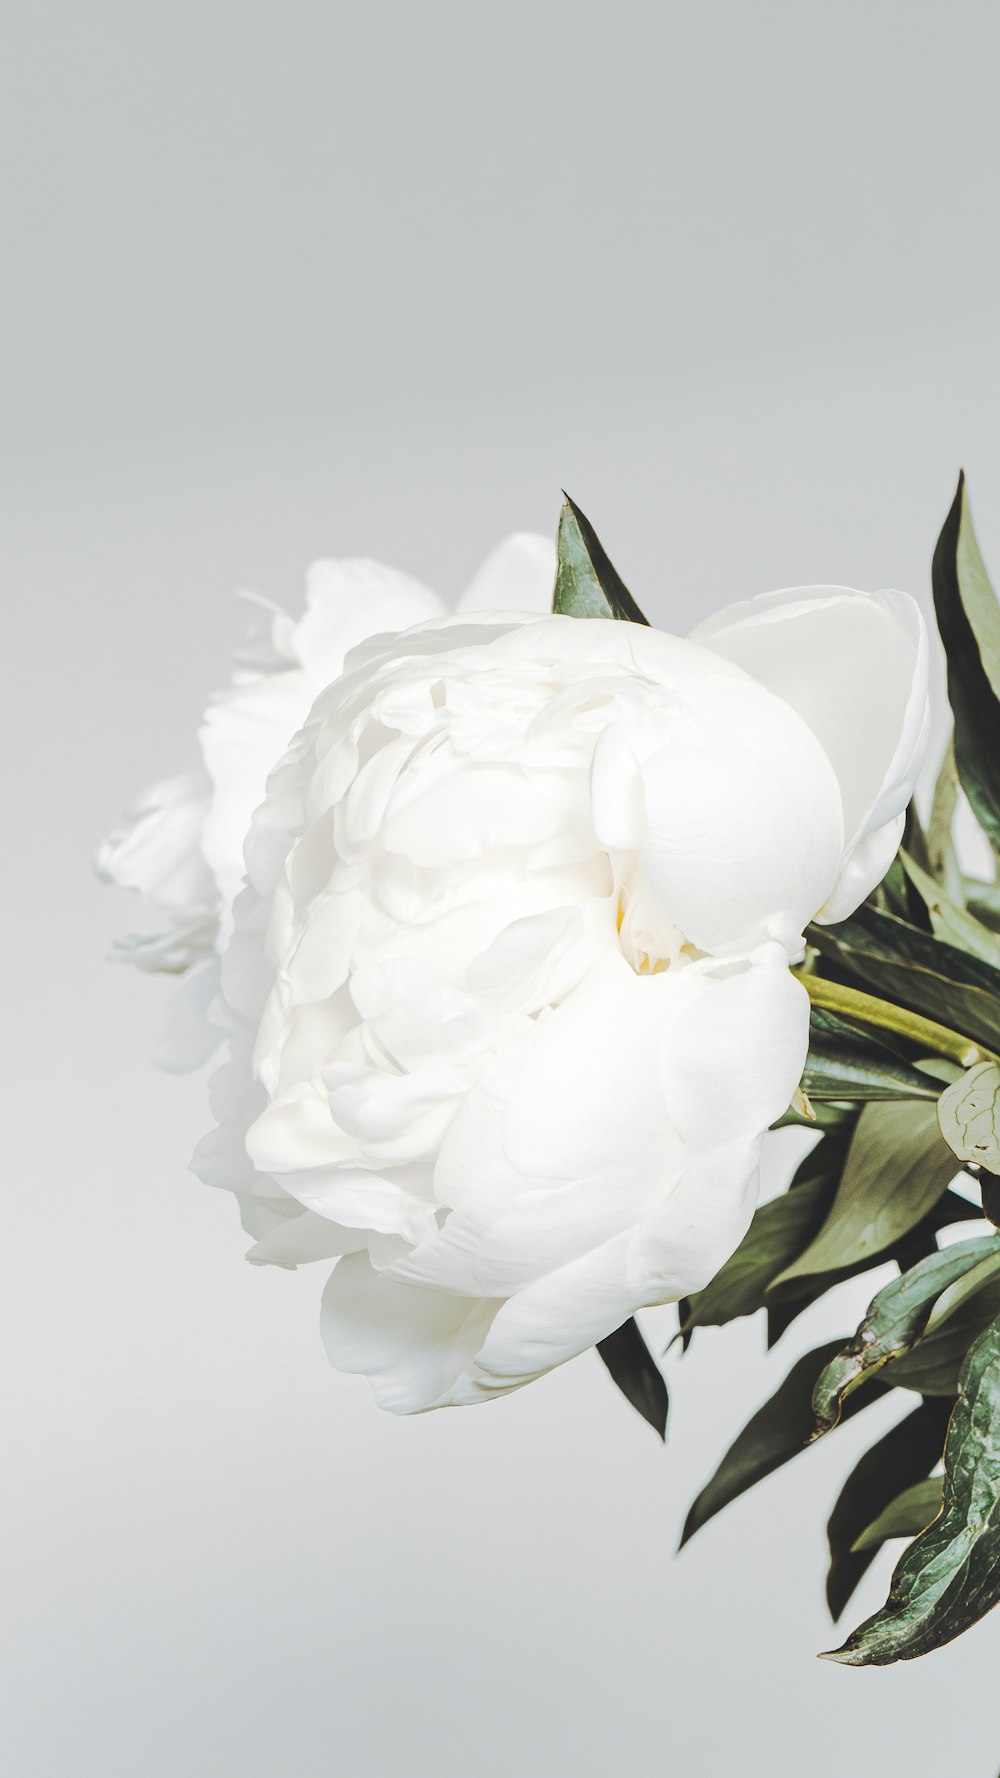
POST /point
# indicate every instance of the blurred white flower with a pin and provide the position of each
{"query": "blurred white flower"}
(509, 990)
(181, 843)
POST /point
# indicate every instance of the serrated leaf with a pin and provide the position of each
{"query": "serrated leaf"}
(845, 1063)
(895, 1319)
(969, 621)
(910, 1513)
(777, 1432)
(893, 959)
(949, 1577)
(969, 1116)
(897, 1167)
(587, 582)
(637, 1374)
(906, 1453)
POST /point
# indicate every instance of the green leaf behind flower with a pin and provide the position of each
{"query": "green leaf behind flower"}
(897, 1168)
(637, 1374)
(969, 621)
(587, 582)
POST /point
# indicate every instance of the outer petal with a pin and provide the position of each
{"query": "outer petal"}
(854, 666)
(157, 851)
(519, 575)
(412, 1344)
(347, 602)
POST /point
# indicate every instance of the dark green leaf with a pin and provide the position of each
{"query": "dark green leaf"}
(969, 1116)
(895, 1319)
(780, 1429)
(949, 921)
(969, 621)
(637, 1374)
(779, 1231)
(896, 1170)
(587, 582)
(846, 1063)
(910, 1513)
(949, 1577)
(934, 1364)
(907, 1452)
(785, 1302)
(900, 963)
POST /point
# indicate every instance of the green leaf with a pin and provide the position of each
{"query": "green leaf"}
(895, 1319)
(983, 900)
(780, 1229)
(897, 1167)
(906, 1453)
(949, 1577)
(910, 1513)
(935, 1362)
(786, 1301)
(778, 1431)
(969, 621)
(949, 921)
(969, 1116)
(896, 960)
(967, 1284)
(846, 1063)
(941, 859)
(587, 582)
(637, 1374)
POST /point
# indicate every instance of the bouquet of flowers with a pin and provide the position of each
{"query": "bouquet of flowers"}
(523, 924)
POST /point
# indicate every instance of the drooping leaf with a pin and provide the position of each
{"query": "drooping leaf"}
(906, 1453)
(969, 621)
(894, 1321)
(780, 1229)
(897, 1167)
(969, 1116)
(587, 582)
(778, 1431)
(934, 1364)
(890, 958)
(637, 1374)
(910, 1513)
(949, 1577)
(847, 1063)
(949, 921)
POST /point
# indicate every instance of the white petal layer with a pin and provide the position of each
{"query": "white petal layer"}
(854, 667)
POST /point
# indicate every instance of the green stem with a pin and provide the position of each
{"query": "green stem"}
(854, 1004)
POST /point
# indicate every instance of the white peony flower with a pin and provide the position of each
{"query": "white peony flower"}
(181, 843)
(509, 989)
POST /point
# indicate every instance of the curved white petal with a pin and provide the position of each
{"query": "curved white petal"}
(519, 575)
(348, 602)
(854, 667)
(412, 1344)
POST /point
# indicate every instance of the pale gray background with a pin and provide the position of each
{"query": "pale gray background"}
(300, 278)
